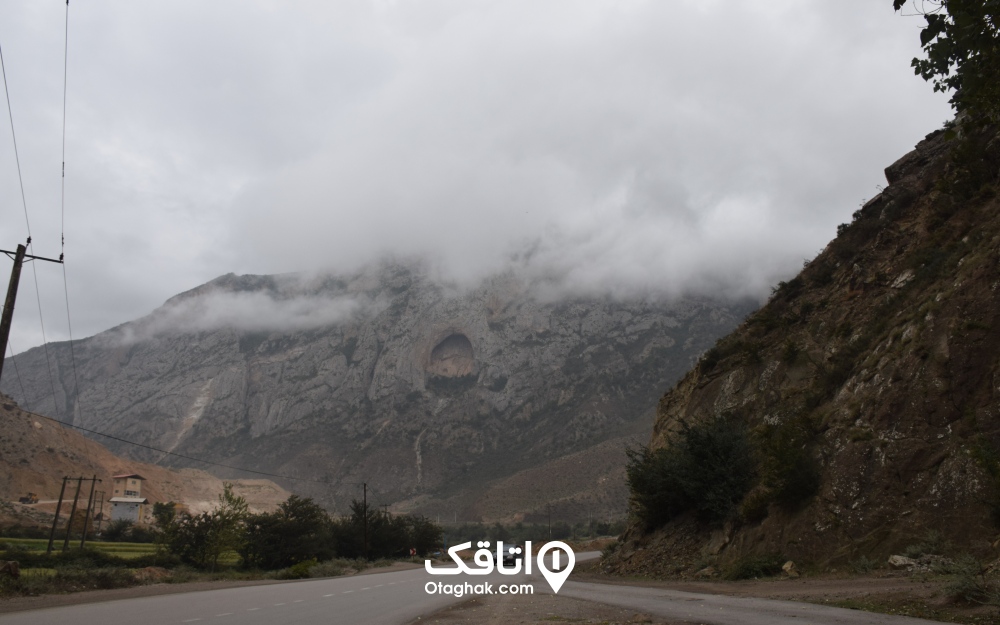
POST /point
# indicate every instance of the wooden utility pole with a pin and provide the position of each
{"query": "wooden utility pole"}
(72, 511)
(52, 534)
(18, 257)
(100, 514)
(90, 510)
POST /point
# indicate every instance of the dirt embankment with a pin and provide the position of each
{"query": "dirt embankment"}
(36, 453)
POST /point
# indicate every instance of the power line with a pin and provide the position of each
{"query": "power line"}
(17, 159)
(17, 373)
(41, 321)
(62, 214)
(27, 222)
(175, 454)
(62, 198)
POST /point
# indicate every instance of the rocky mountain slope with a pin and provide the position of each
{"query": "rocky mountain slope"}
(36, 453)
(881, 361)
(432, 396)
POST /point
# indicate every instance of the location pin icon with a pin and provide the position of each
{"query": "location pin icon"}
(556, 578)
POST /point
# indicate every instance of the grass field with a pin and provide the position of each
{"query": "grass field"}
(123, 550)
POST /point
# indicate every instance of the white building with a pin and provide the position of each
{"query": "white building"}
(127, 501)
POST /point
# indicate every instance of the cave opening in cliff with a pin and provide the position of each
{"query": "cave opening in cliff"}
(452, 357)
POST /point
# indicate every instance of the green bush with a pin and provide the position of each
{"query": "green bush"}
(933, 544)
(863, 565)
(707, 469)
(754, 566)
(787, 466)
(118, 531)
(297, 571)
(72, 559)
(330, 568)
(969, 584)
(67, 580)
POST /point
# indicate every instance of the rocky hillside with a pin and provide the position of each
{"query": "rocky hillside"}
(880, 360)
(431, 395)
(36, 453)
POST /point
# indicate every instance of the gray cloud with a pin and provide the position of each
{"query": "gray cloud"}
(602, 147)
(253, 311)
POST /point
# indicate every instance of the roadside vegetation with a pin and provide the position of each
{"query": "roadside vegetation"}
(298, 540)
(535, 532)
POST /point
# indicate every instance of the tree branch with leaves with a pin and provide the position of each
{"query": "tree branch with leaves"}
(961, 40)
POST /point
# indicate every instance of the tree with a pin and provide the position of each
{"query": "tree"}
(164, 513)
(229, 516)
(299, 530)
(707, 468)
(389, 536)
(962, 42)
(118, 531)
(202, 539)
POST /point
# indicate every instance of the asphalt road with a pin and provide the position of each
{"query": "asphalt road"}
(400, 597)
(379, 598)
(396, 597)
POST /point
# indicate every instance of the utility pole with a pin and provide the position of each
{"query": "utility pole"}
(365, 506)
(100, 515)
(72, 511)
(52, 534)
(90, 511)
(18, 257)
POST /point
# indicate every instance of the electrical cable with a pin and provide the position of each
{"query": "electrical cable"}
(62, 233)
(175, 454)
(17, 373)
(24, 204)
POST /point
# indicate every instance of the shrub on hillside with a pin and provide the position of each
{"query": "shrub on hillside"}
(707, 469)
(755, 566)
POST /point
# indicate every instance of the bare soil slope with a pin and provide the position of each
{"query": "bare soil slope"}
(36, 453)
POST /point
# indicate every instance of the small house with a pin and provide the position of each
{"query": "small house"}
(126, 500)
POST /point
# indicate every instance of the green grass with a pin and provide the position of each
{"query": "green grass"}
(124, 550)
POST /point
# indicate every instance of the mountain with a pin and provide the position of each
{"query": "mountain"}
(444, 401)
(880, 361)
(36, 453)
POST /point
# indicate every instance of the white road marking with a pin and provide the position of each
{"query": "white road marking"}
(297, 601)
(225, 614)
(252, 609)
(368, 588)
(191, 620)
(328, 595)
(279, 604)
(347, 591)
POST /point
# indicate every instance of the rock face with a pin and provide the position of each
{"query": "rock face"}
(430, 395)
(885, 347)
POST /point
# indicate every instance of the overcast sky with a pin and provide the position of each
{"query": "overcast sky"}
(619, 146)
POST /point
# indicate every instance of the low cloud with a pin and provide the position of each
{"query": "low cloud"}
(602, 147)
(249, 312)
